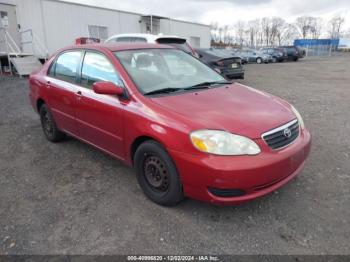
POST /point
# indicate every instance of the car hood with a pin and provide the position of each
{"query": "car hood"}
(235, 108)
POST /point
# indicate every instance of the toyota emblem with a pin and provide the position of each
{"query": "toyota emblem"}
(287, 133)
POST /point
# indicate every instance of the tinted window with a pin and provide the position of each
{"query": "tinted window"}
(123, 39)
(96, 67)
(140, 39)
(130, 39)
(65, 67)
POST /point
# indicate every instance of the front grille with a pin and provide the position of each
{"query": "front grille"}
(282, 136)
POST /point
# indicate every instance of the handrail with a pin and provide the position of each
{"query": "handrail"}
(15, 46)
(10, 46)
(37, 46)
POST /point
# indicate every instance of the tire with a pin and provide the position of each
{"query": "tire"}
(274, 60)
(48, 124)
(259, 60)
(157, 174)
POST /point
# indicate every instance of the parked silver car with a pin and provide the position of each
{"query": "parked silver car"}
(253, 56)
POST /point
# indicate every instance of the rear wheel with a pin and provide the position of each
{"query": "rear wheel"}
(274, 60)
(49, 126)
(259, 60)
(157, 174)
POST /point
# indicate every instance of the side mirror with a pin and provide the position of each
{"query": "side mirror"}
(107, 88)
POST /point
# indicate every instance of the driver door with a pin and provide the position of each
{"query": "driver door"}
(99, 117)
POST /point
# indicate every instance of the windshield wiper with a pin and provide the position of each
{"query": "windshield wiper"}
(207, 84)
(163, 90)
(203, 85)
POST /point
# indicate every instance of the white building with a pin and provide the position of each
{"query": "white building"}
(43, 26)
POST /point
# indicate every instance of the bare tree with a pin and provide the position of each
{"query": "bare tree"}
(289, 33)
(277, 26)
(304, 25)
(335, 26)
(240, 30)
(316, 25)
(214, 31)
(253, 32)
(266, 29)
(226, 34)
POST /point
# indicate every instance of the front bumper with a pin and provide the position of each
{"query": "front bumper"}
(254, 175)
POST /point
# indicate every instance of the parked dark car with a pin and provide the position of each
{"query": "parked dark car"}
(301, 51)
(293, 53)
(227, 65)
(278, 54)
(235, 52)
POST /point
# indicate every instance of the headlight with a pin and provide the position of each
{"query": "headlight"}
(223, 143)
(300, 119)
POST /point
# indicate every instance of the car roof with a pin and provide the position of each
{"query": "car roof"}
(117, 46)
(149, 37)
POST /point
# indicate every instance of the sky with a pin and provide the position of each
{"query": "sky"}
(228, 12)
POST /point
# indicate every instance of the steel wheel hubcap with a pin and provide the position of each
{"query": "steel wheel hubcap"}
(156, 173)
(47, 123)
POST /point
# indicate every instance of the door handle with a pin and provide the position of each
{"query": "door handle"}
(48, 84)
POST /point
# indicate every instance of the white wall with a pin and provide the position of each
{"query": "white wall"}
(66, 22)
(186, 30)
(58, 24)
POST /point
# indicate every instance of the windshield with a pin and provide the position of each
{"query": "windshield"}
(156, 69)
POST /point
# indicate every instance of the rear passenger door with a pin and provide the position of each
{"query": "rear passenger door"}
(99, 117)
(62, 88)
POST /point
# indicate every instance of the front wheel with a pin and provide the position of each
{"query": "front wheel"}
(49, 126)
(258, 60)
(157, 174)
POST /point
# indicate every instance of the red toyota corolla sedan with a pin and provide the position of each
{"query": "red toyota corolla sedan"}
(184, 128)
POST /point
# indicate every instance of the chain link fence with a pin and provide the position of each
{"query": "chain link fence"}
(319, 50)
(318, 47)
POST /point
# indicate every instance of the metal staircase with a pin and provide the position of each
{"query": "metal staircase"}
(18, 61)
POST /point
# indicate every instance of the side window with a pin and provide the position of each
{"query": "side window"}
(123, 39)
(139, 40)
(96, 67)
(65, 67)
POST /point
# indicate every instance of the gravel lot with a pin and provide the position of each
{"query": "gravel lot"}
(70, 198)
